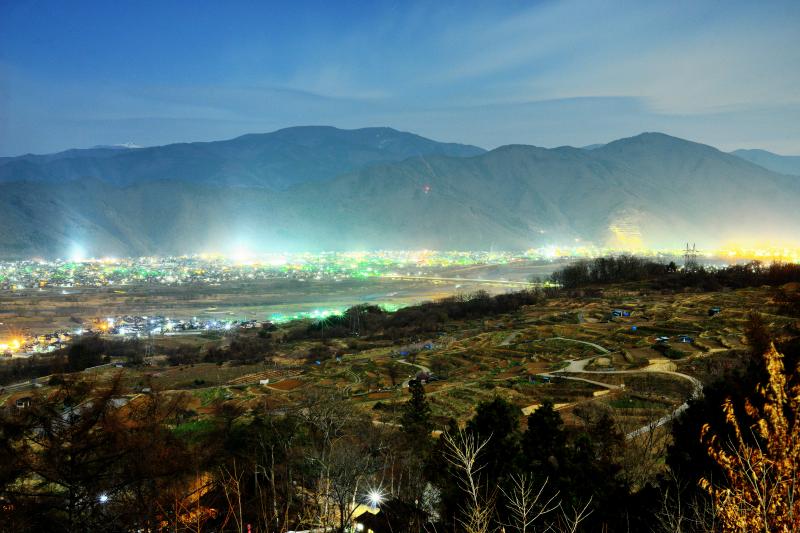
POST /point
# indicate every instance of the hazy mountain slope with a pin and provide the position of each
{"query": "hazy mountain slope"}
(153, 218)
(662, 188)
(651, 189)
(709, 192)
(275, 160)
(785, 164)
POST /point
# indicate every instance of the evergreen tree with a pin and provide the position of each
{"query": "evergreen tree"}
(497, 421)
(544, 443)
(416, 417)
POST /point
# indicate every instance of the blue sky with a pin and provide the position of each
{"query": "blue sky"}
(77, 74)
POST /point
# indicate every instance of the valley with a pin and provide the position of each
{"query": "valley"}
(566, 350)
(277, 297)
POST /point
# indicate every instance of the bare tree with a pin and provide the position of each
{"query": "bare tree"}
(570, 521)
(523, 503)
(680, 514)
(328, 415)
(462, 451)
(348, 467)
(231, 481)
(642, 456)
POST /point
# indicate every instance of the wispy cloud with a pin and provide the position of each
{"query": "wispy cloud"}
(546, 73)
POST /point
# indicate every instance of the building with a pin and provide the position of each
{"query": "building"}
(393, 516)
(23, 403)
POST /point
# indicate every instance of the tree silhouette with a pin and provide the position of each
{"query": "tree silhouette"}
(416, 418)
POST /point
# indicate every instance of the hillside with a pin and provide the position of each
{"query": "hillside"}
(785, 164)
(274, 160)
(651, 189)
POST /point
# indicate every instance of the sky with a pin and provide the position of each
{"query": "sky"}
(80, 74)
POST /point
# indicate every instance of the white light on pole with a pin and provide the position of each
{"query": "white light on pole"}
(375, 497)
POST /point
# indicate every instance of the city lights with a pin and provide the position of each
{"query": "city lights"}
(245, 266)
(67, 278)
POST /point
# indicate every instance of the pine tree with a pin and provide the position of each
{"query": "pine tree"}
(544, 442)
(497, 422)
(416, 417)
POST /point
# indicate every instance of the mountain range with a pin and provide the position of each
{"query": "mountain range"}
(312, 188)
(274, 160)
(785, 164)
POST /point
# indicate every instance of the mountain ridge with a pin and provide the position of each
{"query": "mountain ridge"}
(274, 160)
(646, 190)
(785, 164)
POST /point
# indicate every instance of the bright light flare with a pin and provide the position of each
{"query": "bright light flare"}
(375, 497)
(12, 345)
(277, 261)
(551, 252)
(242, 255)
(77, 254)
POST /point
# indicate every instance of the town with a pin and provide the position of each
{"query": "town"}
(243, 265)
(123, 327)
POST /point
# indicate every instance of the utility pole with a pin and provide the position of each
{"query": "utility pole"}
(690, 258)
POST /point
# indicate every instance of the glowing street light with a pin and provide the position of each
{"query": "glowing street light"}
(103, 498)
(375, 497)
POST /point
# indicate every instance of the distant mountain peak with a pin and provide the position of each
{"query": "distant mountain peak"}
(651, 137)
(275, 160)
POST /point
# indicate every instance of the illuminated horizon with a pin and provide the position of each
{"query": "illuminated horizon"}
(241, 257)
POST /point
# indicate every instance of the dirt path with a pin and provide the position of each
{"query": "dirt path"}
(587, 343)
(579, 366)
(508, 340)
(597, 347)
(608, 386)
(423, 368)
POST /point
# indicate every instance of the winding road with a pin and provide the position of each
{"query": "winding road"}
(423, 368)
(578, 366)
